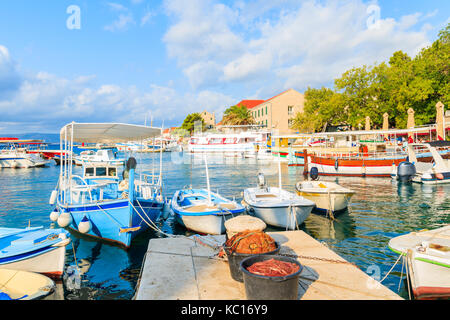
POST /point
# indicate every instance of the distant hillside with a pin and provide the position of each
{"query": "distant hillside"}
(47, 137)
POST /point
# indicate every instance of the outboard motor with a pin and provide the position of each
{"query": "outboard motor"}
(314, 173)
(406, 171)
(261, 180)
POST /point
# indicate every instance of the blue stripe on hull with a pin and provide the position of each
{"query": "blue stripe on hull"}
(26, 255)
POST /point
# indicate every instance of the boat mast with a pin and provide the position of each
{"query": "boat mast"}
(207, 180)
(279, 171)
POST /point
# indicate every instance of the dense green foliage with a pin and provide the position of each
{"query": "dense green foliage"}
(394, 87)
(237, 115)
(190, 120)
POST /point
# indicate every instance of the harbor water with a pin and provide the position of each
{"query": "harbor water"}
(380, 210)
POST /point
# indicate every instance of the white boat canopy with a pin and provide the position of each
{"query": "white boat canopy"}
(107, 132)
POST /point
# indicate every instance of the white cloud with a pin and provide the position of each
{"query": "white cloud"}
(287, 43)
(122, 22)
(44, 101)
(9, 75)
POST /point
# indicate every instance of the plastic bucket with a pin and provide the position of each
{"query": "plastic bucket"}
(234, 261)
(258, 287)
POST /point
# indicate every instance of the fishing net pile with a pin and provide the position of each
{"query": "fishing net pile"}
(273, 268)
(251, 242)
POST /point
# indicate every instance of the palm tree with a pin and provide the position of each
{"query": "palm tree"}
(237, 115)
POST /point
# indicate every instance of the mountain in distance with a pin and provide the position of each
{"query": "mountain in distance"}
(47, 137)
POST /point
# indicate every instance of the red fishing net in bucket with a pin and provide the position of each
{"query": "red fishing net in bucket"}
(273, 268)
(251, 242)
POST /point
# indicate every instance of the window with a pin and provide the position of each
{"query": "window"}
(100, 172)
(266, 110)
(112, 172)
(258, 112)
(89, 172)
(290, 123)
(290, 110)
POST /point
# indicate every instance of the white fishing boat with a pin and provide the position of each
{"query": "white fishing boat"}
(428, 261)
(13, 156)
(233, 142)
(275, 206)
(102, 203)
(24, 285)
(34, 249)
(435, 172)
(102, 155)
(329, 197)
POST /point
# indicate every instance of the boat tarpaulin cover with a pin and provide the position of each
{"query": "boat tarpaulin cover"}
(107, 132)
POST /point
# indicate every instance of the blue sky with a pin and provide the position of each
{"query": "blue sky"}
(165, 59)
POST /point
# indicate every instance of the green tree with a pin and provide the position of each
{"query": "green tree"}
(190, 120)
(237, 115)
(323, 107)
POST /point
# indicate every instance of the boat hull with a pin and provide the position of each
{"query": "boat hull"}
(116, 222)
(334, 202)
(50, 262)
(429, 281)
(282, 216)
(207, 224)
(354, 167)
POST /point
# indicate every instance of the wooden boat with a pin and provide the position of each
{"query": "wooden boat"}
(428, 259)
(34, 249)
(360, 166)
(328, 196)
(24, 285)
(203, 211)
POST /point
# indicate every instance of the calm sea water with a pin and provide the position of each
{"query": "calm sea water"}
(380, 209)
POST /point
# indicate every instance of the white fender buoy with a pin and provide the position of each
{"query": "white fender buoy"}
(54, 215)
(64, 219)
(85, 225)
(53, 197)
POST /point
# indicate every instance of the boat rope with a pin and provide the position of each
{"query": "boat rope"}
(75, 258)
(329, 211)
(391, 268)
(401, 275)
(108, 215)
(195, 273)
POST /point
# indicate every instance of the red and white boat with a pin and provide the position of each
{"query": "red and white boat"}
(356, 166)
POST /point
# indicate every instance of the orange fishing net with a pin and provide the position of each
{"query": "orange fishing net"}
(273, 268)
(251, 242)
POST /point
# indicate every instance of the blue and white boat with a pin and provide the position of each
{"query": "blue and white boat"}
(102, 203)
(202, 211)
(34, 249)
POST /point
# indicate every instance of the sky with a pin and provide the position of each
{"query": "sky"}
(135, 60)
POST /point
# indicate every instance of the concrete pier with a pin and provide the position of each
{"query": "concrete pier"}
(183, 269)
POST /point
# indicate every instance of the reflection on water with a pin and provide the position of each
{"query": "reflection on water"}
(380, 209)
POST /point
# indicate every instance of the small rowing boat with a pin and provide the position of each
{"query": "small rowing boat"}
(328, 196)
(24, 285)
(34, 249)
(277, 207)
(203, 211)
